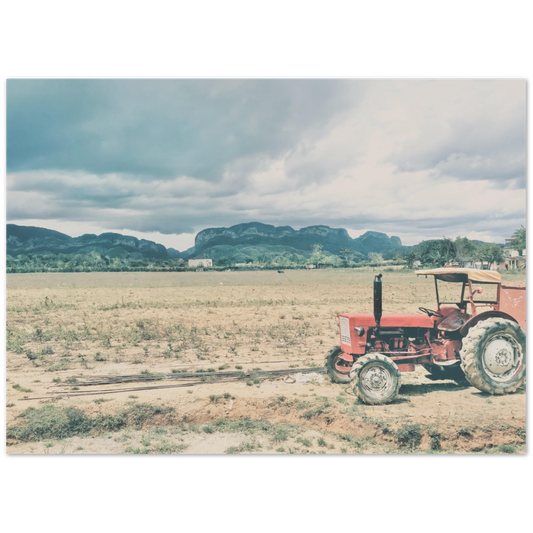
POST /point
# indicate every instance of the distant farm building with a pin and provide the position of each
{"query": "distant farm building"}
(200, 263)
(513, 259)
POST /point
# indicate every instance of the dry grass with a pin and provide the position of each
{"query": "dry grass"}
(64, 327)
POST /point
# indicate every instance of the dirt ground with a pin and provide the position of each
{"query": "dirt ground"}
(63, 329)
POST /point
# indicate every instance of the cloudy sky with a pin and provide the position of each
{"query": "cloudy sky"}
(163, 159)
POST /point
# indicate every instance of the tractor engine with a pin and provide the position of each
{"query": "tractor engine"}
(393, 341)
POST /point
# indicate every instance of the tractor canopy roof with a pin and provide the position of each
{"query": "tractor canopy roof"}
(462, 274)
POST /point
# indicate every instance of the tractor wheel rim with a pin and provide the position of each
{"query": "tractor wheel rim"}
(376, 381)
(502, 358)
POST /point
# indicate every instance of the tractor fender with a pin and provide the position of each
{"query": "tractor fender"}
(483, 316)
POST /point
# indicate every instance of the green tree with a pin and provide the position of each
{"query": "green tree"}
(410, 258)
(519, 242)
(448, 249)
(344, 256)
(489, 253)
(464, 247)
(317, 256)
(435, 253)
(375, 258)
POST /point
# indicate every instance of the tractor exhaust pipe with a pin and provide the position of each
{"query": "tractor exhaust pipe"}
(378, 299)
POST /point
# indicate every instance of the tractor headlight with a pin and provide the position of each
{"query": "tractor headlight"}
(359, 330)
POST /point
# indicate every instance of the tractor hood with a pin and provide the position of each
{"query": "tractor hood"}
(462, 274)
(393, 321)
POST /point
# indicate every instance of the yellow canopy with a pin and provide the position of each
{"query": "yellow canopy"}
(462, 274)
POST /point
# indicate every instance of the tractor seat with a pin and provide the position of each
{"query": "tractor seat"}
(453, 322)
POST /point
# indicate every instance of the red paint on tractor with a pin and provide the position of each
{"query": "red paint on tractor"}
(392, 321)
(513, 302)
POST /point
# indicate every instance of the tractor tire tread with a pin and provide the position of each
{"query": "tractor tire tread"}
(356, 369)
(469, 356)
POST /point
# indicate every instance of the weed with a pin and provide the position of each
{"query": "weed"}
(322, 406)
(321, 442)
(138, 414)
(20, 388)
(354, 441)
(306, 442)
(244, 447)
(507, 448)
(38, 334)
(466, 432)
(32, 356)
(57, 367)
(435, 439)
(50, 422)
(280, 434)
(409, 436)
(136, 451)
(15, 346)
(168, 448)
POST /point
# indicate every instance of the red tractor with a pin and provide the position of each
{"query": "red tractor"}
(480, 338)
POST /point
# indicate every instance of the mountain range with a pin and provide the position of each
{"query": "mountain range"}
(237, 243)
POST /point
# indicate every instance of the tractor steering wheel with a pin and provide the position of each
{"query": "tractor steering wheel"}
(430, 312)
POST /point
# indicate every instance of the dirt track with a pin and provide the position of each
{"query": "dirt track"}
(64, 328)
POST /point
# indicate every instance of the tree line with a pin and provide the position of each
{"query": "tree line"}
(428, 254)
(439, 252)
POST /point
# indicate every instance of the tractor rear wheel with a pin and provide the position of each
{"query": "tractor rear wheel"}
(375, 379)
(493, 356)
(338, 369)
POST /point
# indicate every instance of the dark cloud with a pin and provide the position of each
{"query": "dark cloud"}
(163, 128)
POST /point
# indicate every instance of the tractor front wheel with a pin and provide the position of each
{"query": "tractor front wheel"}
(493, 356)
(338, 368)
(375, 379)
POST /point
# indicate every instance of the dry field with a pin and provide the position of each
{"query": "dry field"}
(65, 329)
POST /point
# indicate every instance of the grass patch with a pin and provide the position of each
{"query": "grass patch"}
(52, 422)
(244, 447)
(20, 388)
(409, 436)
(435, 437)
(322, 406)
